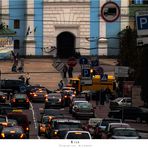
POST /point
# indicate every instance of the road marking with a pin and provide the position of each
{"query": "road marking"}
(34, 119)
(33, 114)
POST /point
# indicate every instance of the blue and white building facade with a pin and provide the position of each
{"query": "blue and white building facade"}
(91, 25)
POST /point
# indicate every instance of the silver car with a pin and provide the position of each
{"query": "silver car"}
(121, 102)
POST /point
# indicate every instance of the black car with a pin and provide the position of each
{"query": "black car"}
(53, 100)
(132, 113)
(12, 132)
(20, 100)
(5, 109)
(59, 127)
(37, 93)
(11, 85)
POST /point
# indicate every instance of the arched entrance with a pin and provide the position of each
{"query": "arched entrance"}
(65, 45)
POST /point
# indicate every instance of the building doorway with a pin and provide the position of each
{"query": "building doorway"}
(65, 45)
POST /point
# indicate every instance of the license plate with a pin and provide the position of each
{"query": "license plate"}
(20, 100)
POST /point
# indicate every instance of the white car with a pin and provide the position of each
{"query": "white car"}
(78, 135)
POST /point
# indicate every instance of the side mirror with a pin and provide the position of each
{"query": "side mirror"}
(94, 107)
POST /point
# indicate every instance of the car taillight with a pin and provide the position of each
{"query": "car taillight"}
(34, 94)
(46, 95)
(22, 136)
(13, 100)
(27, 100)
(65, 96)
(27, 128)
(2, 135)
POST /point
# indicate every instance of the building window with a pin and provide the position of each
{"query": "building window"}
(16, 44)
(16, 24)
(139, 1)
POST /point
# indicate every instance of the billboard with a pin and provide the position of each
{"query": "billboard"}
(6, 46)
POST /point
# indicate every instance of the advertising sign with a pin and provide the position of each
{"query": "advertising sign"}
(6, 46)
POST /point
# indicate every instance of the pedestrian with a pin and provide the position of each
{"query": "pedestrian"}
(108, 94)
(97, 97)
(103, 97)
(27, 78)
(61, 84)
(22, 78)
(70, 72)
(65, 69)
(21, 67)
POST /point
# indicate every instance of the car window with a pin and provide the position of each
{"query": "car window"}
(129, 100)
(78, 135)
(105, 122)
(20, 119)
(2, 119)
(125, 132)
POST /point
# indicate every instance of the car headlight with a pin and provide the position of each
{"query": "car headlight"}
(55, 132)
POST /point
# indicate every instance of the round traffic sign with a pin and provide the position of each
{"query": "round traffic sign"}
(110, 11)
(83, 60)
(72, 61)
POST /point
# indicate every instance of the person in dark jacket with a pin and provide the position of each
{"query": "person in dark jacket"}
(65, 69)
(70, 72)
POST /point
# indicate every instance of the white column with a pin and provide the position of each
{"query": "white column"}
(4, 11)
(102, 41)
(30, 41)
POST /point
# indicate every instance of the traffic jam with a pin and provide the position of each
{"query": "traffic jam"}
(35, 112)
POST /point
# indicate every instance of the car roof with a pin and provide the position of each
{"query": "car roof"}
(81, 101)
(20, 95)
(67, 120)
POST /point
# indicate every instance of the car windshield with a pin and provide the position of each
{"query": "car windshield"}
(125, 132)
(52, 112)
(78, 135)
(46, 119)
(106, 122)
(10, 129)
(20, 96)
(20, 119)
(84, 105)
(2, 119)
(63, 125)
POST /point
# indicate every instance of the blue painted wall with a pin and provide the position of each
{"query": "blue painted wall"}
(112, 29)
(94, 26)
(38, 24)
(17, 10)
